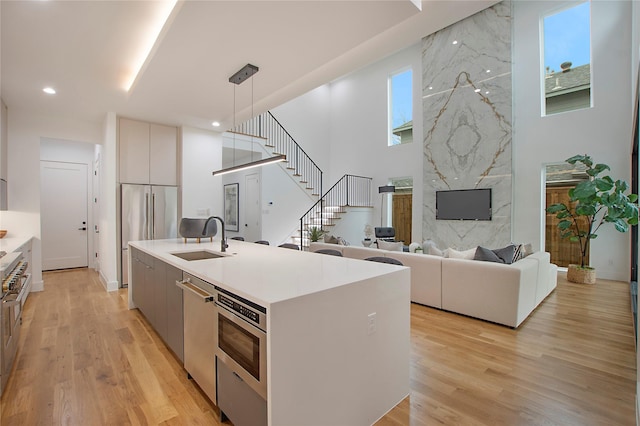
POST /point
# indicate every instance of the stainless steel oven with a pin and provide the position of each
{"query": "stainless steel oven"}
(242, 339)
(14, 277)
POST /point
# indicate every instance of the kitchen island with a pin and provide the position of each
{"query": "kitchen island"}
(337, 329)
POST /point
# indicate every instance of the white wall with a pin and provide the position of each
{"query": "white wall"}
(604, 131)
(351, 225)
(25, 132)
(201, 155)
(358, 129)
(284, 202)
(108, 251)
(307, 119)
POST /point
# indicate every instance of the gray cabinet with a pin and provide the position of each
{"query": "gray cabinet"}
(141, 279)
(155, 294)
(148, 153)
(175, 323)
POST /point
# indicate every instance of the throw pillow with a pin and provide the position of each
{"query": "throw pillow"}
(435, 251)
(466, 254)
(528, 249)
(342, 242)
(430, 247)
(385, 245)
(518, 253)
(486, 255)
(506, 253)
(330, 239)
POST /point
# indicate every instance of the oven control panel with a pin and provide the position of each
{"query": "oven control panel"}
(238, 308)
(243, 308)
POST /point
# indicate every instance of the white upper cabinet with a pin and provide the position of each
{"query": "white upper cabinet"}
(162, 155)
(148, 153)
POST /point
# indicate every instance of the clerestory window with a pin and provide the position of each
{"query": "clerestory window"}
(400, 108)
(566, 72)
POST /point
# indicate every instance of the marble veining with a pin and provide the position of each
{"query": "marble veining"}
(467, 124)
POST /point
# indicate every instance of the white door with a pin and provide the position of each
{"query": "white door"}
(63, 217)
(252, 214)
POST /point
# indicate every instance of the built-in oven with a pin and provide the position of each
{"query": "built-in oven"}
(14, 279)
(242, 339)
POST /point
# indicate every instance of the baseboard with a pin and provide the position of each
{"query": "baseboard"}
(37, 286)
(108, 285)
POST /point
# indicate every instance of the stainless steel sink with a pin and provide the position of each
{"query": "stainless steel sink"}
(197, 255)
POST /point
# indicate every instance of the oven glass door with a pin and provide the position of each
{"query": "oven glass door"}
(240, 343)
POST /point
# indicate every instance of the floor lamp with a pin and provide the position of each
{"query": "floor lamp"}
(382, 190)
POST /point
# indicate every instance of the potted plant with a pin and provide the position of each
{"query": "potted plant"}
(599, 200)
(368, 233)
(315, 233)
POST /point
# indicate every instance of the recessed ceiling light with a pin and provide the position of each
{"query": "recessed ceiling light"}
(49, 90)
(430, 87)
(488, 71)
(216, 124)
(455, 41)
(477, 90)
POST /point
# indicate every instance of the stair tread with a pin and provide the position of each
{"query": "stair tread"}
(247, 134)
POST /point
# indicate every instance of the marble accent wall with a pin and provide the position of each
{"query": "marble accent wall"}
(467, 98)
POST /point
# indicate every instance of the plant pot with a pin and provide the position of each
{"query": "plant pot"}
(577, 274)
(367, 242)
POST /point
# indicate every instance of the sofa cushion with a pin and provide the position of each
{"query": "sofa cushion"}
(501, 255)
(426, 276)
(386, 245)
(506, 253)
(486, 255)
(455, 254)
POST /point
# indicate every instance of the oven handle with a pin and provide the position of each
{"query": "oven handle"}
(186, 285)
(11, 301)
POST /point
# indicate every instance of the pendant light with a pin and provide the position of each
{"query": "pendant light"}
(238, 78)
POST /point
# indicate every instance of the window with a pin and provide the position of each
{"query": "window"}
(559, 179)
(401, 108)
(567, 60)
(402, 208)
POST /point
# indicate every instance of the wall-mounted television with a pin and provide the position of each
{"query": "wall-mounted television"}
(464, 204)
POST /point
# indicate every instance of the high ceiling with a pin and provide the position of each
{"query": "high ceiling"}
(87, 51)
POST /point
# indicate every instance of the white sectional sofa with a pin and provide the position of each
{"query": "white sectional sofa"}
(496, 292)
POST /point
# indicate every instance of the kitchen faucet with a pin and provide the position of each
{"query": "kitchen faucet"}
(223, 243)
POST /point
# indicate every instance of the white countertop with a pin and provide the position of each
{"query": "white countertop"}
(265, 274)
(10, 244)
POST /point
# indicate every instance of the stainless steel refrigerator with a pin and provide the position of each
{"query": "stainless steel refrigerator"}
(147, 212)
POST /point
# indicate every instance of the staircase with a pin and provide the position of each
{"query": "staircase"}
(276, 137)
(349, 191)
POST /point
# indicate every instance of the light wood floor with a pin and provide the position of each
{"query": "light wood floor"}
(84, 359)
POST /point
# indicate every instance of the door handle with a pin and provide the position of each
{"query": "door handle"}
(82, 229)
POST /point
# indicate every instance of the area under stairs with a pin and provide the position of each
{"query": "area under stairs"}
(348, 191)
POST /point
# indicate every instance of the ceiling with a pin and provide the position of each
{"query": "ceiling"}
(87, 51)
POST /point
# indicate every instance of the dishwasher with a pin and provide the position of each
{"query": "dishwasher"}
(200, 332)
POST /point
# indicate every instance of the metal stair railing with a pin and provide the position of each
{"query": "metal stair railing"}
(266, 126)
(349, 191)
